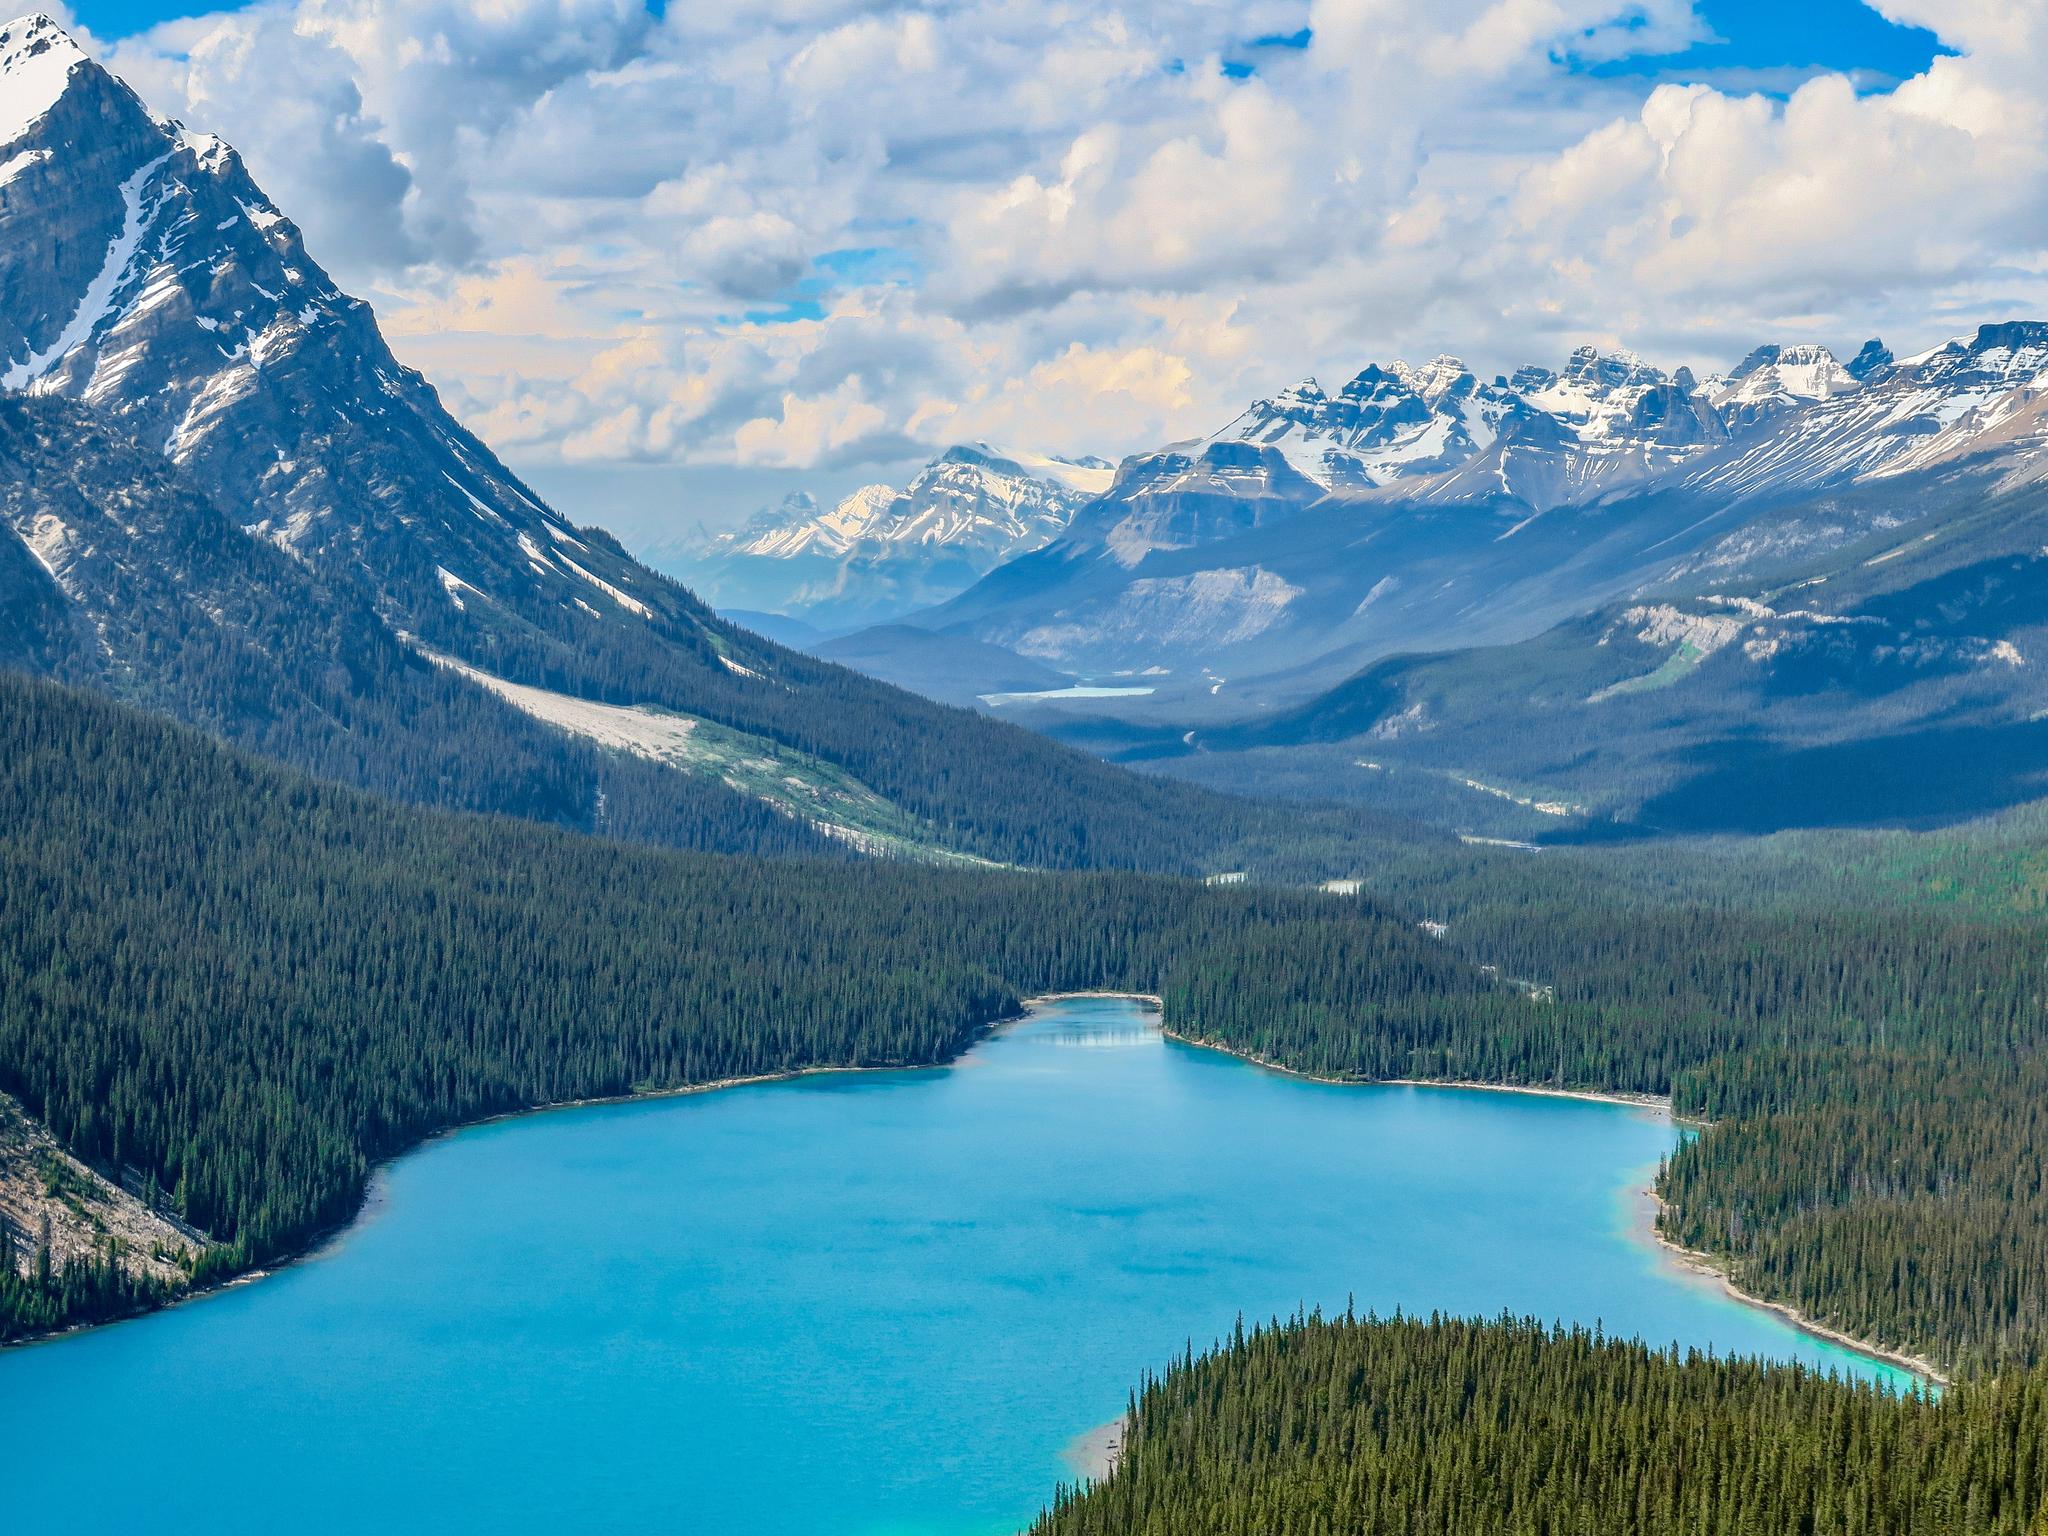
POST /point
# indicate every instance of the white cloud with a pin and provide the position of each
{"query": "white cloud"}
(1067, 224)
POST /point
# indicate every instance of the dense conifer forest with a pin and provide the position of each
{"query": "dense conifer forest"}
(245, 987)
(348, 976)
(1872, 1078)
(1453, 1428)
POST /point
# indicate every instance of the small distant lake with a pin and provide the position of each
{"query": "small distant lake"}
(1077, 691)
(863, 1304)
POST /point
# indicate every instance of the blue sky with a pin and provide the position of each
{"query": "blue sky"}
(1757, 34)
(122, 18)
(761, 244)
(1843, 35)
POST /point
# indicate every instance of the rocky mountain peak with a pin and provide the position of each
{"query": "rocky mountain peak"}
(37, 58)
(1373, 382)
(1874, 357)
(1305, 397)
(1443, 377)
(145, 274)
(2015, 349)
(1594, 369)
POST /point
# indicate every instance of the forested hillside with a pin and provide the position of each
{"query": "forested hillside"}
(245, 987)
(132, 581)
(1450, 1428)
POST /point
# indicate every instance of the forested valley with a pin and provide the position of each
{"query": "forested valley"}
(345, 976)
(243, 988)
(349, 976)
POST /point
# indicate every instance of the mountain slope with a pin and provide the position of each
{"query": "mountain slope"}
(1897, 679)
(145, 277)
(123, 576)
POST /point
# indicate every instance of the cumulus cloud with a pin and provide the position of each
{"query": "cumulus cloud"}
(813, 233)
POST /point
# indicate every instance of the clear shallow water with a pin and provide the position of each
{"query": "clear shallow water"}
(865, 1304)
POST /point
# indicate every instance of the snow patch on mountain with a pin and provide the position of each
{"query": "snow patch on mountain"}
(97, 301)
(1216, 607)
(1971, 397)
(36, 60)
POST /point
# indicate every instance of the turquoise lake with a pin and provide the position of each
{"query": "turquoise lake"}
(862, 1303)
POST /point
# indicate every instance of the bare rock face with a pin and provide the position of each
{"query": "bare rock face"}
(145, 274)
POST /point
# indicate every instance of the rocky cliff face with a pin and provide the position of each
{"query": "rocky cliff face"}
(143, 273)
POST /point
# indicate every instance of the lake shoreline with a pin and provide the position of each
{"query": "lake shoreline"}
(1661, 1103)
(327, 1238)
(1710, 1266)
(323, 1240)
(1093, 1454)
(1694, 1260)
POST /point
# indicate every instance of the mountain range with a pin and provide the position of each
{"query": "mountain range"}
(224, 498)
(882, 552)
(1606, 596)
(1422, 509)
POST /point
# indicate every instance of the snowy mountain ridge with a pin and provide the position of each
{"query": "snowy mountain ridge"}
(971, 494)
(882, 551)
(145, 274)
(1787, 415)
(1418, 507)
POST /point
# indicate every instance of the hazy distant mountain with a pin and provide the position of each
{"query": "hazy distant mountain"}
(882, 552)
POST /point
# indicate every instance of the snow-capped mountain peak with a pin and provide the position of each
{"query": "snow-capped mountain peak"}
(833, 531)
(1774, 379)
(1598, 393)
(37, 58)
(144, 273)
(1443, 377)
(881, 551)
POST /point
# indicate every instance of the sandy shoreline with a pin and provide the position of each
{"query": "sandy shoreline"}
(1710, 1266)
(1692, 1260)
(1658, 1102)
(1092, 1454)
